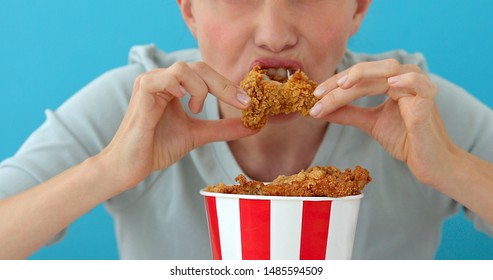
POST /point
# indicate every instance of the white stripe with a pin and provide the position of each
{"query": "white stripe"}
(228, 216)
(343, 217)
(285, 229)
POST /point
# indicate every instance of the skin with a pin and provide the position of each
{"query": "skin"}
(234, 35)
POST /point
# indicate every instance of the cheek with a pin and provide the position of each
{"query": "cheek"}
(211, 31)
(331, 40)
(327, 46)
(218, 35)
(332, 33)
(213, 39)
(220, 48)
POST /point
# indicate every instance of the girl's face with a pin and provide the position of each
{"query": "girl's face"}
(234, 35)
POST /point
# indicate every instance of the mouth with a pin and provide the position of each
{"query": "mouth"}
(277, 70)
(280, 75)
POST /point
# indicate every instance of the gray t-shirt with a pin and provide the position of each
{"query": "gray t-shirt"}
(163, 217)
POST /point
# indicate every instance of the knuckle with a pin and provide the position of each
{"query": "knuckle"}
(422, 82)
(420, 76)
(392, 66)
(138, 80)
(178, 68)
(331, 98)
(356, 72)
(413, 68)
(414, 77)
(144, 80)
(155, 80)
(228, 90)
(199, 66)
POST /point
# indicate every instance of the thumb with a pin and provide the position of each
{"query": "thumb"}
(207, 131)
(362, 118)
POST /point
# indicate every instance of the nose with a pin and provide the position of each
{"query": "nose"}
(275, 26)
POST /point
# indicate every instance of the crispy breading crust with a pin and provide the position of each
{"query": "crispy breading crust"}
(272, 98)
(318, 181)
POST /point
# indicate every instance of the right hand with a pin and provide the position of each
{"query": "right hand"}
(156, 131)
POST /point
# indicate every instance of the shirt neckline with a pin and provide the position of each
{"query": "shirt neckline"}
(229, 167)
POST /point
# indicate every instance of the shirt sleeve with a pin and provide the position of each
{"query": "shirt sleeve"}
(78, 129)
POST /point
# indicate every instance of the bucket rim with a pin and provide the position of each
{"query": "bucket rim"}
(288, 198)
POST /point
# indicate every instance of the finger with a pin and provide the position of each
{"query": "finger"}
(370, 70)
(365, 70)
(421, 90)
(148, 91)
(230, 129)
(341, 97)
(178, 80)
(415, 83)
(160, 81)
(362, 118)
(191, 83)
(405, 68)
(221, 87)
(329, 85)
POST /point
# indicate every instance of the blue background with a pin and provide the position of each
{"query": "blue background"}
(50, 49)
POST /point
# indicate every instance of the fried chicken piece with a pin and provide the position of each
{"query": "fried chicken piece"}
(319, 181)
(273, 95)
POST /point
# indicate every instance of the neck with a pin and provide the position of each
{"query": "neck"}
(279, 149)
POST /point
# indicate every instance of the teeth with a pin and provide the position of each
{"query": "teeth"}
(278, 73)
(265, 77)
(271, 71)
(283, 73)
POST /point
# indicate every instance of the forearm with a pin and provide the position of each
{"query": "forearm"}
(31, 218)
(470, 182)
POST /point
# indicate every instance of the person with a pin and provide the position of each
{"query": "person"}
(146, 137)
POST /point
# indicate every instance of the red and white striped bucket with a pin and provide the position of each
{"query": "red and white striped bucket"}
(251, 227)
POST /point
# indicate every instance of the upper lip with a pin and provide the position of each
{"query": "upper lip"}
(266, 62)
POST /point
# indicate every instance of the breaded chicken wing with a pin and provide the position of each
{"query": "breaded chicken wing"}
(272, 95)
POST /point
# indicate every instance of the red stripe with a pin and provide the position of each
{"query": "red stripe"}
(255, 229)
(314, 229)
(210, 205)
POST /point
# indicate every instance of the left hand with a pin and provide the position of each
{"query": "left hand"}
(407, 124)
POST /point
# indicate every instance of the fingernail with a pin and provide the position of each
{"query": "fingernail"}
(320, 91)
(394, 79)
(316, 109)
(342, 80)
(242, 97)
(183, 91)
